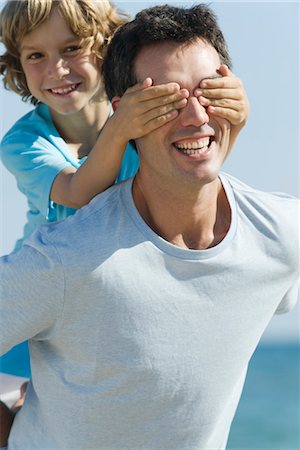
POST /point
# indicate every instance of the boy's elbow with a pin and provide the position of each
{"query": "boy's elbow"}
(77, 201)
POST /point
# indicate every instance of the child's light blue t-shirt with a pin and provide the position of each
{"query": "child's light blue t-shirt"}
(34, 152)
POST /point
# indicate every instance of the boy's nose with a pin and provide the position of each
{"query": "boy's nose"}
(193, 114)
(58, 69)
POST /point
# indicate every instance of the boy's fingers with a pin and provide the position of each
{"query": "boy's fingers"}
(160, 91)
(163, 110)
(230, 82)
(225, 71)
(139, 86)
(144, 91)
(224, 103)
(233, 94)
(147, 82)
(233, 116)
(157, 117)
(155, 122)
(159, 121)
(152, 103)
(180, 103)
(153, 91)
(147, 119)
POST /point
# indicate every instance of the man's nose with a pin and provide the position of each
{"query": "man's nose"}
(193, 114)
(58, 69)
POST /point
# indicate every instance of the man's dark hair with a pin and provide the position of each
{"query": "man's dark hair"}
(155, 25)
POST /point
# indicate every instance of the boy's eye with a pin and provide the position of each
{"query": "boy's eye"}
(35, 56)
(72, 49)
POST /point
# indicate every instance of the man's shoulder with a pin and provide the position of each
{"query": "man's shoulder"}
(102, 208)
(273, 214)
(244, 191)
(93, 222)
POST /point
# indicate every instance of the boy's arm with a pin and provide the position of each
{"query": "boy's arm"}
(142, 109)
(226, 97)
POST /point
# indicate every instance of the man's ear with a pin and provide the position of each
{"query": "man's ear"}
(115, 102)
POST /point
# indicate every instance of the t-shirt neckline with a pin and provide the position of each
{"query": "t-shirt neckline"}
(171, 249)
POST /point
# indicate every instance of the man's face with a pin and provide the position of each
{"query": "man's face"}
(191, 148)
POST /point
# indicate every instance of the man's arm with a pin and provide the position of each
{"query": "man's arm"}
(31, 293)
(290, 299)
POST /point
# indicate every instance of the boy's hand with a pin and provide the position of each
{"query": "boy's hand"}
(225, 97)
(144, 107)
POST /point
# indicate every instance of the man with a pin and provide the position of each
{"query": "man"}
(145, 307)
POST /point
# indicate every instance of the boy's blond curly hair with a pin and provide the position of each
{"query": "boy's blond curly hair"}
(88, 19)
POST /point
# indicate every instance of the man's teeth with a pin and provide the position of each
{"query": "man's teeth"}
(64, 90)
(193, 148)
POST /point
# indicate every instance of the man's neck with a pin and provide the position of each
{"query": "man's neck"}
(194, 221)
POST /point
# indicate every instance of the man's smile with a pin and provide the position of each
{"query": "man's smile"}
(197, 147)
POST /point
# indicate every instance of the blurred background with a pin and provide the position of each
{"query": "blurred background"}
(263, 40)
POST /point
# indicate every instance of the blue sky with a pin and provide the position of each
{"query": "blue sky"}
(263, 40)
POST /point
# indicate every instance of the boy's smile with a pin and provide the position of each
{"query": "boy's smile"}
(64, 90)
(59, 70)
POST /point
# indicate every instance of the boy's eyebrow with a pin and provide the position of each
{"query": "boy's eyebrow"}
(65, 42)
(28, 47)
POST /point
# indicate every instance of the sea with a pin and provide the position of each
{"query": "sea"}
(268, 416)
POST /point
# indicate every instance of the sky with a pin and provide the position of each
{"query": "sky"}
(263, 40)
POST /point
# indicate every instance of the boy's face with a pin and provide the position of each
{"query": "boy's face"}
(58, 71)
(192, 147)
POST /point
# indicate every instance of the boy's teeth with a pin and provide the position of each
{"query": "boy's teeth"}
(64, 90)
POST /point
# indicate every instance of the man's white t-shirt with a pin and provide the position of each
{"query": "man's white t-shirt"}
(138, 344)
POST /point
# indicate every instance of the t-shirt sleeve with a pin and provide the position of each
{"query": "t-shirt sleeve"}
(35, 163)
(130, 164)
(290, 299)
(32, 292)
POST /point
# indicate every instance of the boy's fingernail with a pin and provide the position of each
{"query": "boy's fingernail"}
(203, 84)
(181, 102)
(204, 100)
(184, 93)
